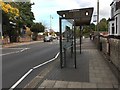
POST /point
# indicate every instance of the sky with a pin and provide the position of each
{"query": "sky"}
(44, 8)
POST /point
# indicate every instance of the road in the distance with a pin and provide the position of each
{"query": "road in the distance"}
(17, 64)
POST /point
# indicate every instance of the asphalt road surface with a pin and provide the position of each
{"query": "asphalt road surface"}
(16, 61)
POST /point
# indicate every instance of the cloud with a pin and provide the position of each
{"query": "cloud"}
(44, 8)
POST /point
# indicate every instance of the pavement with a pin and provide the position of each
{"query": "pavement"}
(92, 71)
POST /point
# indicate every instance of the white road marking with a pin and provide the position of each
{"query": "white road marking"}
(47, 61)
(24, 76)
(23, 49)
(21, 78)
(11, 48)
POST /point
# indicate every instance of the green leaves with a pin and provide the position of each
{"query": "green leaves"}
(37, 27)
(103, 25)
(25, 18)
(26, 14)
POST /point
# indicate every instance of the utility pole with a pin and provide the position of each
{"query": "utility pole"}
(99, 44)
(51, 22)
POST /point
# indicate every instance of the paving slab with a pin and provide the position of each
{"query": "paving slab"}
(61, 84)
(101, 85)
(48, 84)
(74, 85)
(89, 85)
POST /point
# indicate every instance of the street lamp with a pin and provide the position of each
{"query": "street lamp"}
(51, 22)
(95, 20)
(97, 15)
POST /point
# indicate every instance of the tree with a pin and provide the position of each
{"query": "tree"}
(36, 28)
(18, 13)
(8, 14)
(103, 25)
(88, 29)
(26, 15)
(5, 23)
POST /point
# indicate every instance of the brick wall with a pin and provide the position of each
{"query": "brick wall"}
(112, 52)
(115, 52)
(104, 45)
(25, 39)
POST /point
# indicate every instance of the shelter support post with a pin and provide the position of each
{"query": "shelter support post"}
(75, 45)
(64, 57)
(61, 55)
(72, 41)
(80, 38)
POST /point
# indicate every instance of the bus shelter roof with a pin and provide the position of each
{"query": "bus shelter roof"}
(80, 16)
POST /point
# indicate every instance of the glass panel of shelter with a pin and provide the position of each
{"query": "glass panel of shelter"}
(67, 41)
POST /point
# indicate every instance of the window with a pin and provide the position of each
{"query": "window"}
(113, 28)
(117, 5)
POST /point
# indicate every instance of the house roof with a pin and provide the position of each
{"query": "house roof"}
(80, 16)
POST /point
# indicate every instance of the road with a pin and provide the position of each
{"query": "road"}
(17, 61)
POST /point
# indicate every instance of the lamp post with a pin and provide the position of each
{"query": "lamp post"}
(99, 44)
(97, 15)
(51, 22)
(95, 20)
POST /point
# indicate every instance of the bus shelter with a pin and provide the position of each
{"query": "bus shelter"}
(68, 21)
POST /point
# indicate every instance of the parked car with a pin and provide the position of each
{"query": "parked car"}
(48, 39)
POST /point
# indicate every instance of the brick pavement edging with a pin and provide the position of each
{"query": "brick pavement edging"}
(68, 84)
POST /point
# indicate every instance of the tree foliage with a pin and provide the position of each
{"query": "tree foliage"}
(26, 16)
(103, 25)
(9, 10)
(37, 27)
(88, 29)
(17, 13)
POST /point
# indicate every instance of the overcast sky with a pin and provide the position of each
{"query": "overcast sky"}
(44, 8)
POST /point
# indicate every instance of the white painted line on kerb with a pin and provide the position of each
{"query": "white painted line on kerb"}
(23, 77)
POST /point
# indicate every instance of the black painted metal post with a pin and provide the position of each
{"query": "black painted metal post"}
(80, 39)
(61, 56)
(64, 57)
(74, 44)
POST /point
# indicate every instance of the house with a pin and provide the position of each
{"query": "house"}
(114, 21)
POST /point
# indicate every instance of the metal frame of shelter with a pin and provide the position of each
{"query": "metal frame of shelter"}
(77, 17)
